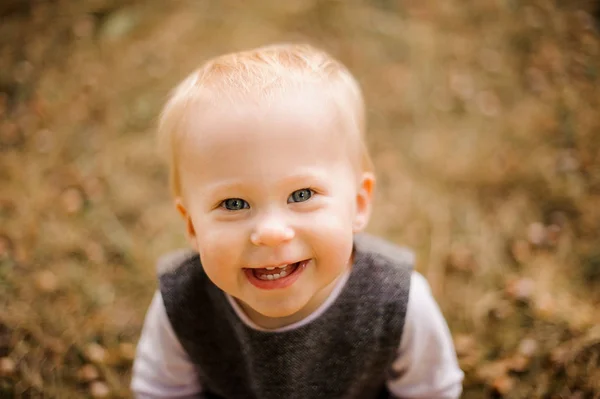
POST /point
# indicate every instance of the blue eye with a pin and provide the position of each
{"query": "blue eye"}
(235, 204)
(300, 195)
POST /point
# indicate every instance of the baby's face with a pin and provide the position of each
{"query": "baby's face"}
(272, 201)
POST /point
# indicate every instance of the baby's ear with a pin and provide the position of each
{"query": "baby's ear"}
(189, 226)
(364, 199)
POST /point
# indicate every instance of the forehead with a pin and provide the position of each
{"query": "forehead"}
(264, 139)
(300, 110)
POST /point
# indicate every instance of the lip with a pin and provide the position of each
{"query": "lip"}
(280, 283)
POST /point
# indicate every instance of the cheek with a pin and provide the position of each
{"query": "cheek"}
(219, 258)
(219, 244)
(331, 233)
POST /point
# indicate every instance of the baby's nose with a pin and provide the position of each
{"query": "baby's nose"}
(271, 233)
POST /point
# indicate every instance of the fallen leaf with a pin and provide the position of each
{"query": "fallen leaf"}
(461, 258)
(7, 366)
(520, 289)
(536, 234)
(518, 363)
(528, 347)
(95, 353)
(127, 351)
(99, 389)
(46, 281)
(545, 306)
(464, 344)
(503, 384)
(88, 373)
(73, 199)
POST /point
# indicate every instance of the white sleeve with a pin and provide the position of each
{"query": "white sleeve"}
(162, 368)
(426, 365)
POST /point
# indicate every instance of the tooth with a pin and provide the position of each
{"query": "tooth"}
(270, 268)
(269, 276)
(283, 273)
(283, 267)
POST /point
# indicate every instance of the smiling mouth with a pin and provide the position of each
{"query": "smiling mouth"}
(276, 277)
(275, 273)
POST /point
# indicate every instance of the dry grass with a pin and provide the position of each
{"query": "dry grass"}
(484, 130)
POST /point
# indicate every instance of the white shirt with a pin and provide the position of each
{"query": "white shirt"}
(426, 363)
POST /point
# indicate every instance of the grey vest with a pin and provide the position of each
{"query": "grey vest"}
(347, 352)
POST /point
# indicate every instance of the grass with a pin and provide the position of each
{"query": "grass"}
(484, 132)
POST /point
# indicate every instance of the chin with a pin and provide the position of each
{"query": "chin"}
(280, 311)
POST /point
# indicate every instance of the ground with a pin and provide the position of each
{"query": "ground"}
(482, 123)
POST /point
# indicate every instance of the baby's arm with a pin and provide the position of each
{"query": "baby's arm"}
(162, 368)
(426, 365)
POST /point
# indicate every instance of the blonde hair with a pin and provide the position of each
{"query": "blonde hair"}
(262, 74)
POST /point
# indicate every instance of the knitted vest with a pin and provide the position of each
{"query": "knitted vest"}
(346, 352)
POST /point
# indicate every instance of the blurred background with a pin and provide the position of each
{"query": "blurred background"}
(483, 126)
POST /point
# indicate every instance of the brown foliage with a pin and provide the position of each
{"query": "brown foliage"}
(484, 129)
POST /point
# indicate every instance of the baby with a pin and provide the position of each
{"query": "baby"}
(281, 296)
